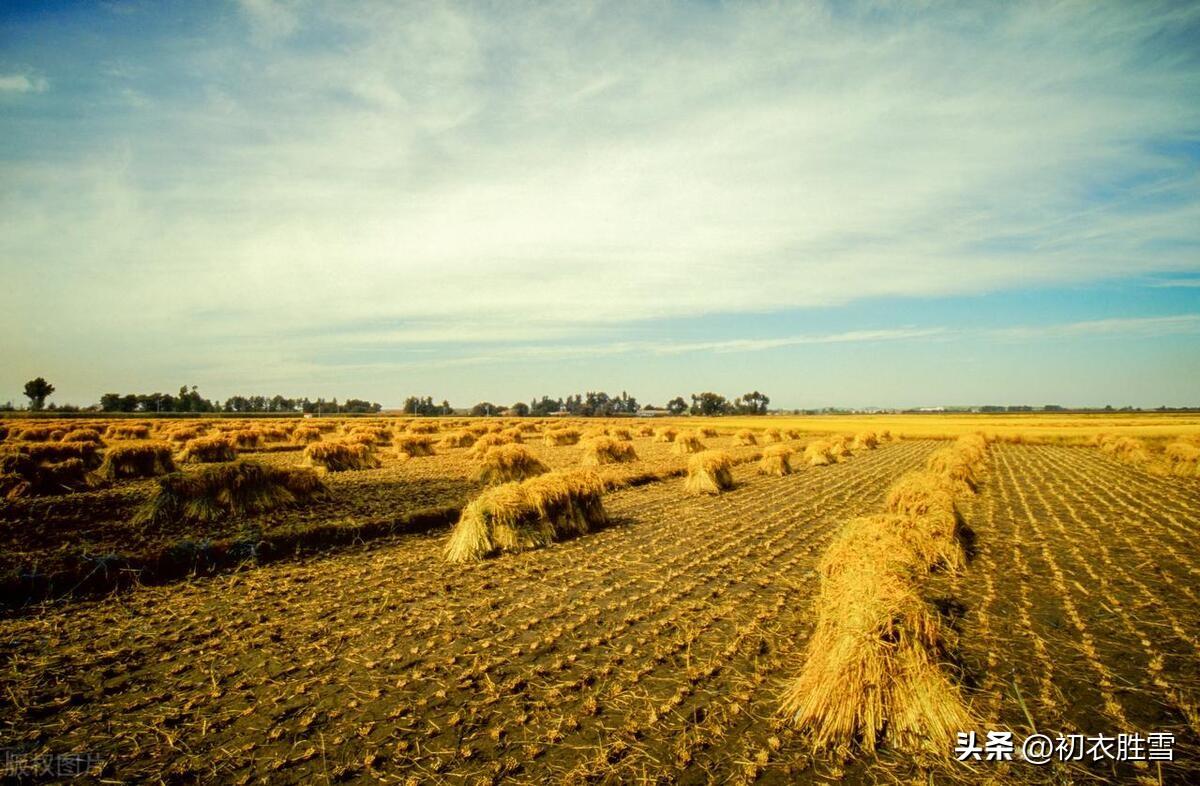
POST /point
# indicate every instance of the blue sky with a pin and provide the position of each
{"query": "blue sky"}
(840, 204)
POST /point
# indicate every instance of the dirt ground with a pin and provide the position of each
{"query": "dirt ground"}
(654, 650)
(70, 532)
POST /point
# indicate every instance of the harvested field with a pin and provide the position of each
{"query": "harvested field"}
(656, 645)
(1081, 604)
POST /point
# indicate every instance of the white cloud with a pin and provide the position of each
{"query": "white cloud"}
(478, 166)
(1141, 327)
(22, 83)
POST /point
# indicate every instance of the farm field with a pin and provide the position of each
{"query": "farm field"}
(656, 648)
(77, 534)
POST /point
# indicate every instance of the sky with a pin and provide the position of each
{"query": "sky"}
(839, 204)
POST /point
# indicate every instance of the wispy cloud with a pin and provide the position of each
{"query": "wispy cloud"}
(466, 168)
(1141, 327)
(22, 83)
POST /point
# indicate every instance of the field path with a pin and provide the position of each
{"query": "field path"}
(654, 649)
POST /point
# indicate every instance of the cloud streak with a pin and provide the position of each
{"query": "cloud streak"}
(464, 168)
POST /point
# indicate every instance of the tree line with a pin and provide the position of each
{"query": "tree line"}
(190, 400)
(589, 404)
(600, 404)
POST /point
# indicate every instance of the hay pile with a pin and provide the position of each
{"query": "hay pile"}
(182, 433)
(423, 427)
(527, 515)
(370, 435)
(39, 434)
(513, 435)
(23, 475)
(745, 437)
(606, 450)
(621, 433)
(665, 434)
(127, 431)
(645, 431)
(958, 463)
(340, 456)
(458, 439)
(1182, 459)
(83, 435)
(237, 488)
(50, 452)
(202, 450)
(819, 453)
(137, 461)
(708, 432)
(873, 664)
(411, 446)
(305, 435)
(865, 440)
(561, 436)
(508, 462)
(1128, 449)
(245, 439)
(776, 460)
(710, 472)
(839, 446)
(772, 435)
(687, 442)
(486, 443)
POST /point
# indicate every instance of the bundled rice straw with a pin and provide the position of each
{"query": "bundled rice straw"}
(127, 431)
(606, 450)
(507, 462)
(414, 445)
(458, 439)
(137, 461)
(83, 435)
(305, 435)
(487, 442)
(776, 461)
(819, 453)
(665, 434)
(562, 436)
(23, 474)
(745, 437)
(687, 442)
(872, 664)
(340, 456)
(236, 488)
(526, 515)
(866, 440)
(208, 450)
(710, 472)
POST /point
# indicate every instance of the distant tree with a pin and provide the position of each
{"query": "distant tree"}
(425, 406)
(677, 406)
(520, 409)
(110, 402)
(37, 391)
(708, 403)
(545, 406)
(485, 409)
(751, 404)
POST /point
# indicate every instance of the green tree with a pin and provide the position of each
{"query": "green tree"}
(677, 406)
(520, 409)
(37, 391)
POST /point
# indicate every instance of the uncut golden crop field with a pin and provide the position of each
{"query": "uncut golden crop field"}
(331, 641)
